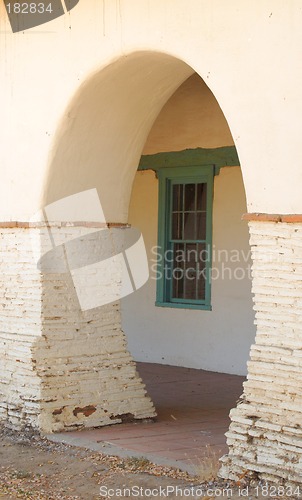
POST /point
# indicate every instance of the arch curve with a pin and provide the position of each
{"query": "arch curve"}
(103, 131)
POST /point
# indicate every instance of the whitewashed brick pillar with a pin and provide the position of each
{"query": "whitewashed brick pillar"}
(62, 367)
(265, 434)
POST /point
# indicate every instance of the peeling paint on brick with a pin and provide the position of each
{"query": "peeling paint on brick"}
(125, 417)
(57, 412)
(67, 357)
(87, 411)
(265, 436)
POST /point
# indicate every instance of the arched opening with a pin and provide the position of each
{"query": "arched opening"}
(219, 339)
(209, 343)
(98, 148)
(103, 131)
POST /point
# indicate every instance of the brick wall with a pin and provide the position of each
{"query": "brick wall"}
(265, 434)
(62, 367)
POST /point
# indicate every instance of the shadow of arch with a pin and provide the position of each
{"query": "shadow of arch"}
(104, 128)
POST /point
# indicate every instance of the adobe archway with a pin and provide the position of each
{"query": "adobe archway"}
(97, 149)
(125, 93)
(56, 398)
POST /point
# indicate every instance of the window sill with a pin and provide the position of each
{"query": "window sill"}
(178, 305)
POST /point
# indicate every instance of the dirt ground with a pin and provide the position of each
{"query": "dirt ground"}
(35, 468)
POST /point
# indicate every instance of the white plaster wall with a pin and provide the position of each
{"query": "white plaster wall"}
(217, 340)
(248, 53)
(220, 339)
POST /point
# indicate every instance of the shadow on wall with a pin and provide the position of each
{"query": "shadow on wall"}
(102, 133)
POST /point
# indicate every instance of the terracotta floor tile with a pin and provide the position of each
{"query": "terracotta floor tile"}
(193, 408)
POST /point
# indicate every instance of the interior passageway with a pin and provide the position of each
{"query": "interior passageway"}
(192, 407)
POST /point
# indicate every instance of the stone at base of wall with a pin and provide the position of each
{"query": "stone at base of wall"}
(62, 367)
(265, 434)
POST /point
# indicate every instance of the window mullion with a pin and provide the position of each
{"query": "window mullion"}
(181, 186)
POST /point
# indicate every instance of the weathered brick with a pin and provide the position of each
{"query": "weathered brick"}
(54, 355)
(265, 434)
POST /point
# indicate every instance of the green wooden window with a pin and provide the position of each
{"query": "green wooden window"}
(185, 237)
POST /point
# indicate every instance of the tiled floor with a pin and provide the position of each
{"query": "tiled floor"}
(192, 406)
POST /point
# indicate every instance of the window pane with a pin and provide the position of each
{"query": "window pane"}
(190, 272)
(179, 254)
(201, 226)
(177, 226)
(203, 254)
(201, 196)
(190, 284)
(203, 258)
(190, 197)
(191, 254)
(178, 272)
(189, 226)
(201, 288)
(177, 205)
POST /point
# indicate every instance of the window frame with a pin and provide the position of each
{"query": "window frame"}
(167, 176)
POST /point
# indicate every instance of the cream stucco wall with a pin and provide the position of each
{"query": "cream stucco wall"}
(220, 339)
(60, 82)
(78, 99)
(191, 118)
(217, 340)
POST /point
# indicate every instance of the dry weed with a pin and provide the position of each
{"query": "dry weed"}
(208, 465)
